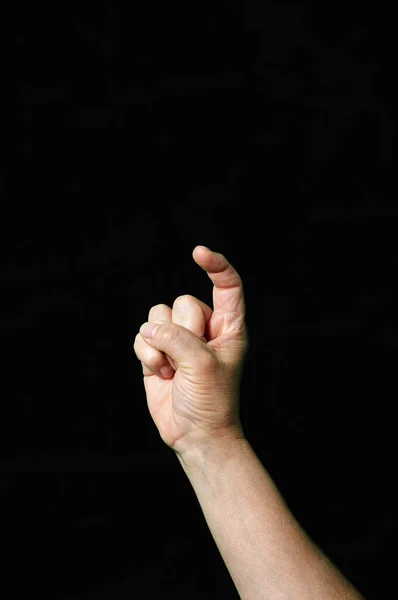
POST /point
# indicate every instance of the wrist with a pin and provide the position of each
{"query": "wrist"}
(211, 451)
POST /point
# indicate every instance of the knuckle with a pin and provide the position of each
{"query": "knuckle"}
(156, 308)
(155, 361)
(184, 299)
(136, 342)
(168, 333)
(139, 346)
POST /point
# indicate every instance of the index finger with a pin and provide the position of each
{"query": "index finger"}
(228, 293)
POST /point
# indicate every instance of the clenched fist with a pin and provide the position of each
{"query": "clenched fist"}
(192, 358)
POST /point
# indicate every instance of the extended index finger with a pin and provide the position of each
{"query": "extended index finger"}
(228, 293)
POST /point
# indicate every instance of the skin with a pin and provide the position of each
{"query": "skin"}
(196, 410)
(205, 348)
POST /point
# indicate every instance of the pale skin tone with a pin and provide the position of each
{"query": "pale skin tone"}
(196, 410)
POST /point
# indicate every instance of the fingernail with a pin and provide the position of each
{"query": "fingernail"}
(166, 371)
(148, 330)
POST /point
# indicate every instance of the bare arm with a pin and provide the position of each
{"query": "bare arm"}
(196, 410)
(268, 555)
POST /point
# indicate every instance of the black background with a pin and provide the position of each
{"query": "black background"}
(264, 131)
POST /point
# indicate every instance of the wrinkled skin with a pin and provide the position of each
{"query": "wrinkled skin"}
(206, 348)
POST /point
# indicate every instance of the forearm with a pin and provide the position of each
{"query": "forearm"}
(268, 555)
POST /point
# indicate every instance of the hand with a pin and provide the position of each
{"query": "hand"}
(199, 399)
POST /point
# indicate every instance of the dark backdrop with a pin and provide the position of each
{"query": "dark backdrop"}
(264, 131)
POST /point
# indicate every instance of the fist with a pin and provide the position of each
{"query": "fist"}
(192, 358)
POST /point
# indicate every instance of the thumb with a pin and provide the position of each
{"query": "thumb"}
(180, 344)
